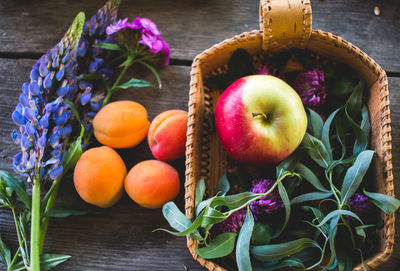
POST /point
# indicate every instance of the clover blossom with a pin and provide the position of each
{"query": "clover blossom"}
(267, 70)
(267, 204)
(310, 85)
(95, 61)
(42, 116)
(361, 206)
(233, 223)
(147, 34)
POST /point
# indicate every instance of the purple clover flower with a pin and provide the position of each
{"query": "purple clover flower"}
(361, 206)
(267, 70)
(311, 87)
(149, 34)
(233, 223)
(268, 204)
(43, 119)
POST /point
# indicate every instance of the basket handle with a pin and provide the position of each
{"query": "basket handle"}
(285, 24)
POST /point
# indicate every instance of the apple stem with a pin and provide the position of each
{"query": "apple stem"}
(263, 115)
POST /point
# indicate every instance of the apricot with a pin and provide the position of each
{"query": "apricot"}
(152, 183)
(99, 176)
(167, 135)
(121, 124)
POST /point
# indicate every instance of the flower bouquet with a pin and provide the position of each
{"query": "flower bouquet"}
(68, 85)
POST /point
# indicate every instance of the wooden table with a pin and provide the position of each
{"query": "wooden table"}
(120, 237)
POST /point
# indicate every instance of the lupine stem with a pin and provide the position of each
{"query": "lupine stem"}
(50, 203)
(35, 227)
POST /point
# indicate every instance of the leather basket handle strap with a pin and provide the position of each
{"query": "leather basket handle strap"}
(285, 24)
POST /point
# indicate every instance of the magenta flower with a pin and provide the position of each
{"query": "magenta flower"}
(268, 204)
(267, 70)
(149, 34)
(233, 223)
(310, 85)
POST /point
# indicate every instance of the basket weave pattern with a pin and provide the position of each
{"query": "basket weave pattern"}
(205, 156)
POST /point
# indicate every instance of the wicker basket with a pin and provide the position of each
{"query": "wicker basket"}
(284, 25)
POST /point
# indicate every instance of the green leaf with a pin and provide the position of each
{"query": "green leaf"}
(319, 216)
(136, 83)
(285, 264)
(344, 260)
(290, 162)
(355, 174)
(341, 129)
(5, 253)
(262, 233)
(310, 196)
(243, 243)
(108, 46)
(316, 150)
(151, 68)
(286, 202)
(178, 220)
(199, 193)
(325, 132)
(282, 250)
(223, 185)
(384, 202)
(365, 124)
(309, 176)
(212, 216)
(341, 87)
(64, 212)
(316, 123)
(354, 103)
(18, 186)
(361, 139)
(220, 246)
(49, 261)
(338, 213)
(73, 153)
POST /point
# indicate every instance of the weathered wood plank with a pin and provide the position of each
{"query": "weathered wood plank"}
(193, 26)
(118, 238)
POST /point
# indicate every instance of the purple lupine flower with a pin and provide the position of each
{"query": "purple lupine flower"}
(95, 60)
(310, 85)
(268, 204)
(39, 116)
(233, 223)
(361, 206)
(150, 37)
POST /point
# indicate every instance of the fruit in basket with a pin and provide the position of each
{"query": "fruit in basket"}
(167, 135)
(260, 120)
(121, 124)
(152, 183)
(99, 176)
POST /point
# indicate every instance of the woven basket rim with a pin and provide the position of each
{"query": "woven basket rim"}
(330, 39)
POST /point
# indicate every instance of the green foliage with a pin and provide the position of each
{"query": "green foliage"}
(220, 246)
(243, 243)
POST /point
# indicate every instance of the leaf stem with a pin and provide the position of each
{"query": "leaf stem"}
(15, 259)
(50, 203)
(21, 243)
(112, 89)
(35, 227)
(334, 189)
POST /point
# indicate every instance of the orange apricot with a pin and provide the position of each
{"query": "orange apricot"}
(167, 135)
(99, 176)
(121, 124)
(152, 183)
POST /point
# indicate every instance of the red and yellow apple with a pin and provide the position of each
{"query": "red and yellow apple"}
(260, 120)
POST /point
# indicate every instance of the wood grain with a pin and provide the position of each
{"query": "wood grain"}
(191, 26)
(118, 238)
